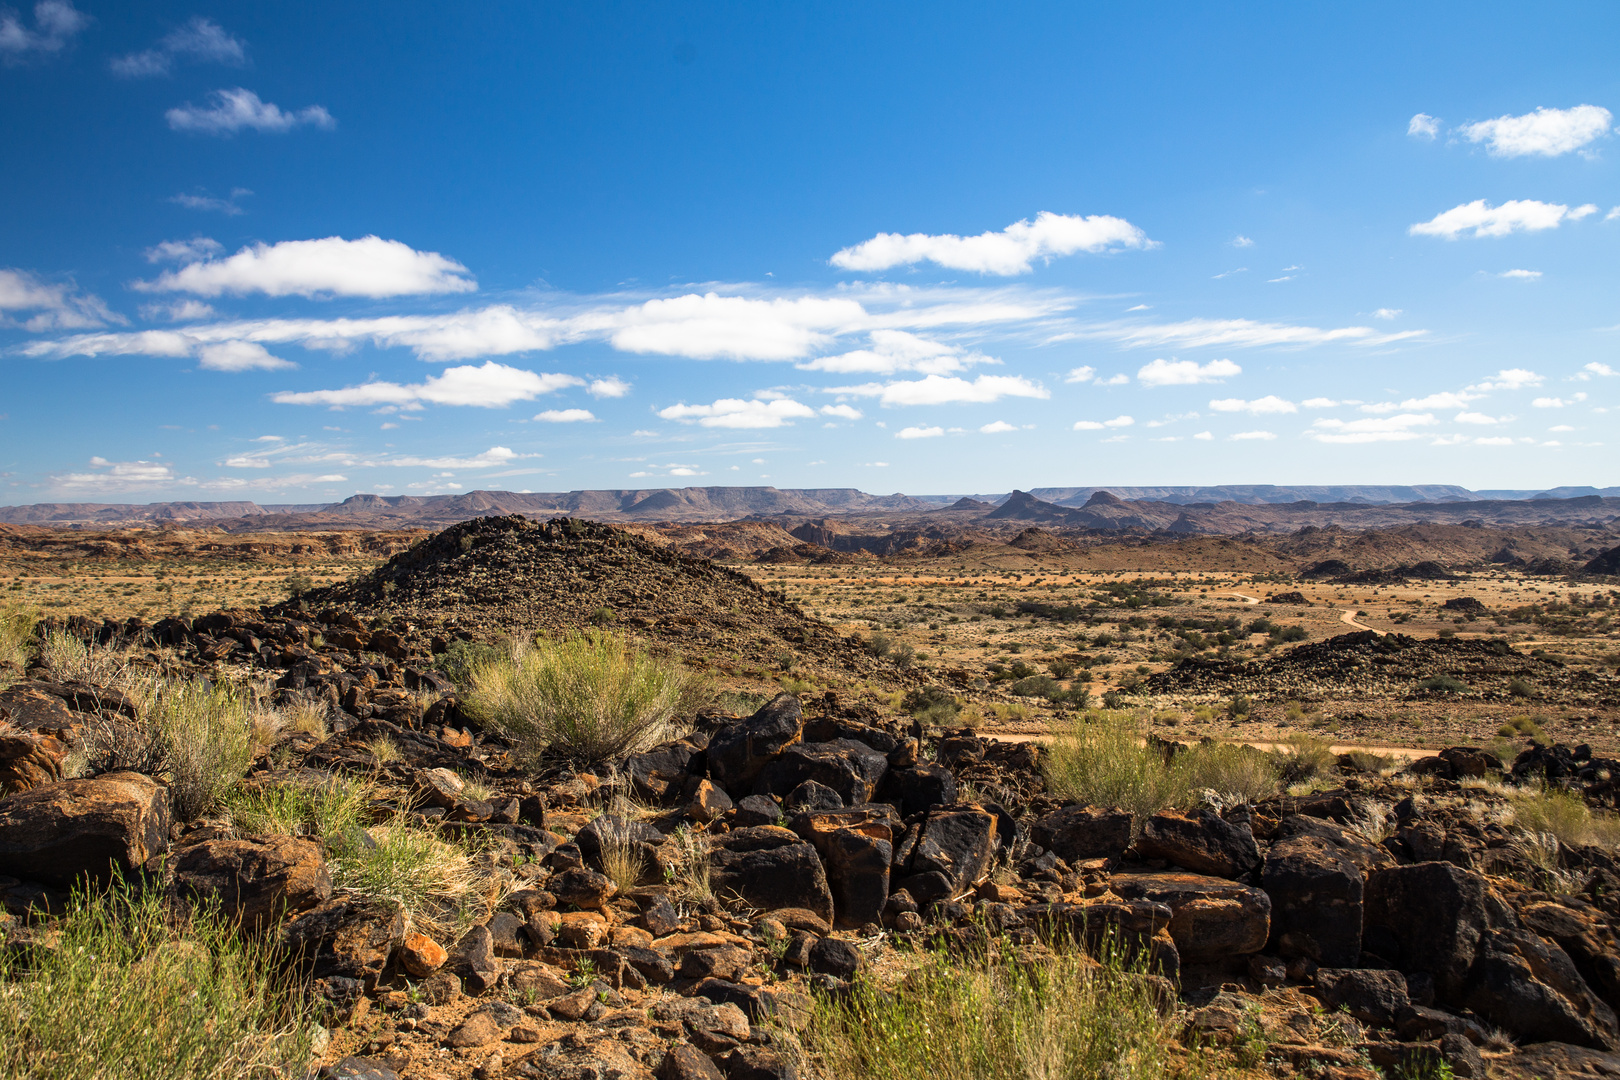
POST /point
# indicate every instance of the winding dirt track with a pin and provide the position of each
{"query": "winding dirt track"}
(1348, 617)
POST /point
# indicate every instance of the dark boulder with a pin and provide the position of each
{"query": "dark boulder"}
(919, 788)
(1211, 918)
(256, 880)
(946, 853)
(62, 833)
(1076, 833)
(768, 867)
(1206, 844)
(739, 752)
(850, 768)
(1316, 900)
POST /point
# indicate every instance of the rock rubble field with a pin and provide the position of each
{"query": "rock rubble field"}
(445, 908)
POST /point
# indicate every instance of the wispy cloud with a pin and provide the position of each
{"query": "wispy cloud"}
(740, 413)
(1423, 126)
(1010, 251)
(1244, 333)
(1542, 133)
(238, 109)
(1387, 429)
(32, 303)
(947, 390)
(565, 416)
(201, 40)
(201, 200)
(919, 433)
(56, 22)
(1099, 425)
(1268, 405)
(489, 386)
(1479, 218)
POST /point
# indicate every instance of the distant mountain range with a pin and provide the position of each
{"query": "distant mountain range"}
(1151, 508)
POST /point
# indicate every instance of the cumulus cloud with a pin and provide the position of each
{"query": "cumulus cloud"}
(894, 351)
(30, 302)
(712, 326)
(919, 433)
(1099, 425)
(1321, 403)
(844, 412)
(1423, 126)
(240, 356)
(1549, 403)
(1479, 218)
(1080, 374)
(610, 387)
(1477, 418)
(1247, 435)
(1386, 313)
(1119, 379)
(997, 427)
(947, 389)
(1204, 436)
(1493, 440)
(1522, 275)
(1010, 251)
(1508, 379)
(489, 386)
(738, 413)
(1544, 133)
(1388, 429)
(369, 266)
(111, 476)
(241, 110)
(1185, 372)
(1596, 368)
(55, 24)
(565, 416)
(201, 40)
(1271, 403)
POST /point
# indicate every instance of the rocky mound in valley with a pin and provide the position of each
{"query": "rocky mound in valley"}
(500, 575)
(1395, 665)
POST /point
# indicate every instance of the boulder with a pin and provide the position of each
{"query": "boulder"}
(856, 849)
(850, 768)
(946, 853)
(768, 867)
(1075, 833)
(256, 880)
(581, 887)
(739, 752)
(1373, 997)
(420, 955)
(29, 760)
(1210, 918)
(919, 788)
(1316, 901)
(664, 770)
(708, 802)
(62, 833)
(1206, 844)
(350, 939)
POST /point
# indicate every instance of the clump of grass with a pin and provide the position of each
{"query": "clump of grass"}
(71, 660)
(17, 623)
(1564, 815)
(1235, 773)
(434, 882)
(622, 861)
(384, 749)
(1443, 684)
(1099, 759)
(473, 786)
(590, 697)
(688, 872)
(129, 992)
(332, 807)
(462, 657)
(1304, 757)
(206, 736)
(991, 1015)
(1523, 727)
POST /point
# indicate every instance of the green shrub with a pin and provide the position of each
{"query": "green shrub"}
(1564, 815)
(131, 993)
(589, 697)
(1041, 686)
(433, 881)
(1101, 760)
(16, 634)
(1443, 684)
(1520, 688)
(459, 660)
(331, 807)
(991, 1015)
(1061, 669)
(1233, 771)
(1238, 706)
(206, 738)
(933, 705)
(1304, 757)
(297, 584)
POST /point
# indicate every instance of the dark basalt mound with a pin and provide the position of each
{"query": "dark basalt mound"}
(1368, 662)
(1288, 598)
(1428, 570)
(506, 574)
(1327, 568)
(1606, 563)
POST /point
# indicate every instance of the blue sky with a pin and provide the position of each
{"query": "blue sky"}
(292, 252)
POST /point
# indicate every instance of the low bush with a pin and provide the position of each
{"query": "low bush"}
(71, 660)
(1234, 772)
(206, 739)
(1101, 760)
(1520, 688)
(434, 882)
(17, 623)
(992, 1015)
(331, 807)
(459, 660)
(1564, 815)
(1303, 757)
(589, 697)
(128, 992)
(933, 705)
(1443, 684)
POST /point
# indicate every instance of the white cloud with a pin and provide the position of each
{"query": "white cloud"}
(565, 416)
(54, 305)
(1494, 440)
(178, 311)
(1229, 273)
(919, 433)
(1386, 313)
(947, 389)
(894, 351)
(200, 39)
(610, 387)
(1549, 403)
(1320, 403)
(738, 413)
(712, 326)
(1080, 374)
(490, 386)
(238, 109)
(1388, 429)
(1478, 418)
(846, 412)
(1245, 435)
(1010, 251)
(997, 427)
(1423, 126)
(369, 266)
(1516, 215)
(204, 201)
(1545, 132)
(1509, 379)
(1521, 275)
(1241, 241)
(1596, 368)
(1185, 372)
(1443, 400)
(115, 476)
(55, 24)
(1244, 333)
(1271, 403)
(495, 455)
(1119, 379)
(1095, 425)
(1204, 436)
(193, 250)
(1561, 427)
(240, 356)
